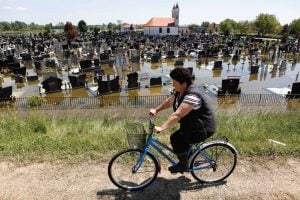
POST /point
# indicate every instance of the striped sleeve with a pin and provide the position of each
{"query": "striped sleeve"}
(194, 100)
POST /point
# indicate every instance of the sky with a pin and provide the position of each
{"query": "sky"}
(95, 12)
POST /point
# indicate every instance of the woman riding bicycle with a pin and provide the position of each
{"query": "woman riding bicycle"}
(191, 110)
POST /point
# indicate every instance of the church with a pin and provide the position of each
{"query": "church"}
(163, 25)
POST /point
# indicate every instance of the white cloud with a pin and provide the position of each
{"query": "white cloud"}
(20, 8)
(7, 7)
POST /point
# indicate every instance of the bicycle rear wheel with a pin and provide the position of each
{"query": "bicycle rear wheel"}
(122, 173)
(223, 159)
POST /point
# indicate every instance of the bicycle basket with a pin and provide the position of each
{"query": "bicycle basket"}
(136, 134)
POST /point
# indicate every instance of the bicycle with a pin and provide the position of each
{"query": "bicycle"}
(137, 167)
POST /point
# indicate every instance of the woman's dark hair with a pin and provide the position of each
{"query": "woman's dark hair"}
(182, 75)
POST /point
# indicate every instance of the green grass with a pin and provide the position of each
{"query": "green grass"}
(77, 137)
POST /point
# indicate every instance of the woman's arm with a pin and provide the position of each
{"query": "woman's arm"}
(175, 117)
(166, 104)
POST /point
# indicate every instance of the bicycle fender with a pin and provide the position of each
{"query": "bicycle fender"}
(210, 143)
(218, 142)
(157, 159)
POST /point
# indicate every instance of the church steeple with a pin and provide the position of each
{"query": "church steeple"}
(175, 14)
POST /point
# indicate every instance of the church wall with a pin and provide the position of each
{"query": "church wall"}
(155, 31)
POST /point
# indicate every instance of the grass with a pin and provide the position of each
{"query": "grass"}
(80, 137)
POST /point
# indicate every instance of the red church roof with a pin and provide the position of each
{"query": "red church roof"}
(161, 21)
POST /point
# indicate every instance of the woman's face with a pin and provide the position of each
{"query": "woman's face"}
(178, 86)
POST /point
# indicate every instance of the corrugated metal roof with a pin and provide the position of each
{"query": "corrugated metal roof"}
(161, 21)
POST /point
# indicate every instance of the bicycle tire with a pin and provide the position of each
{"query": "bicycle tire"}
(224, 157)
(120, 170)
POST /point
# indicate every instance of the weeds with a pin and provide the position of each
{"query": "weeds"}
(73, 138)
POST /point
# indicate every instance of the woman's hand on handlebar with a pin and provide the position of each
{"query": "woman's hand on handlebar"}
(157, 129)
(153, 112)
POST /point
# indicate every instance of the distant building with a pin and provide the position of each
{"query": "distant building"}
(125, 28)
(164, 25)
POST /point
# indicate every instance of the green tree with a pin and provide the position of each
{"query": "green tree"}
(192, 28)
(295, 30)
(5, 26)
(285, 33)
(243, 27)
(205, 25)
(119, 22)
(59, 25)
(267, 24)
(82, 26)
(110, 26)
(48, 28)
(33, 26)
(18, 26)
(228, 26)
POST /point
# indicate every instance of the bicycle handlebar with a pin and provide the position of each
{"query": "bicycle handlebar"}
(151, 124)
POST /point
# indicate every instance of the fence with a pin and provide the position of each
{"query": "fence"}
(64, 103)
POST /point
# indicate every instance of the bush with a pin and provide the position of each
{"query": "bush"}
(35, 101)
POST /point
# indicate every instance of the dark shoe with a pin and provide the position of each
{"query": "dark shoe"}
(177, 168)
(182, 165)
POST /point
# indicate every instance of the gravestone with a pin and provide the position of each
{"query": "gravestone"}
(114, 84)
(178, 63)
(52, 84)
(31, 75)
(49, 74)
(218, 65)
(19, 71)
(6, 93)
(86, 65)
(283, 65)
(171, 54)
(155, 81)
(77, 81)
(103, 86)
(155, 58)
(132, 80)
(230, 86)
(254, 69)
(25, 57)
(13, 65)
(50, 62)
(295, 91)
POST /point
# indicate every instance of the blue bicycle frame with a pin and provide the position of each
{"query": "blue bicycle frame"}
(159, 147)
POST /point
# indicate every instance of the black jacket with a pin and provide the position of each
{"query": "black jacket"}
(200, 119)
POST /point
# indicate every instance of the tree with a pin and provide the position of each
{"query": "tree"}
(205, 25)
(18, 26)
(295, 30)
(131, 27)
(119, 24)
(110, 26)
(285, 33)
(295, 27)
(228, 26)
(71, 33)
(5, 26)
(82, 26)
(244, 27)
(267, 24)
(59, 25)
(192, 28)
(96, 30)
(48, 28)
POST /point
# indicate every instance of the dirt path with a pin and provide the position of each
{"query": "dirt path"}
(252, 179)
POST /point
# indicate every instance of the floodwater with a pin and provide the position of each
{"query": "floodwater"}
(250, 83)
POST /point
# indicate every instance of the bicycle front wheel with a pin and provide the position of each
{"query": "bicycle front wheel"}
(216, 163)
(128, 171)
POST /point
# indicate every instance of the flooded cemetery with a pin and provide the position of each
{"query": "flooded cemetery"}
(133, 65)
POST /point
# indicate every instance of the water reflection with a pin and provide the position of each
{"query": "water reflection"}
(250, 83)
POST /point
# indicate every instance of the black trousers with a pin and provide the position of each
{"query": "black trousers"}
(181, 140)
